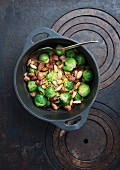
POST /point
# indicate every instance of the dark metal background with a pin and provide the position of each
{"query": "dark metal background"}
(25, 142)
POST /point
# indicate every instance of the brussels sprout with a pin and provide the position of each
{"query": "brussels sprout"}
(84, 90)
(50, 92)
(70, 53)
(68, 84)
(32, 86)
(51, 76)
(58, 62)
(44, 58)
(67, 68)
(58, 50)
(40, 100)
(80, 59)
(47, 103)
(88, 75)
(65, 98)
(41, 90)
(31, 70)
(78, 97)
(70, 64)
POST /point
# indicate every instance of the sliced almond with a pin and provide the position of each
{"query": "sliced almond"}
(33, 94)
(74, 94)
(54, 106)
(75, 72)
(59, 82)
(59, 87)
(44, 86)
(77, 85)
(59, 74)
(79, 74)
(77, 101)
(25, 74)
(67, 73)
(33, 66)
(44, 69)
(71, 102)
(55, 68)
(55, 83)
(29, 62)
(32, 62)
(61, 65)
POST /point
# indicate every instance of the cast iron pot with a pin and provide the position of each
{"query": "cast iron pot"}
(61, 118)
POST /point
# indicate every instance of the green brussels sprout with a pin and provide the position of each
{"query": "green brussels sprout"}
(51, 76)
(65, 98)
(67, 68)
(32, 86)
(70, 64)
(88, 75)
(44, 58)
(58, 50)
(41, 90)
(40, 100)
(47, 103)
(58, 62)
(31, 70)
(68, 85)
(80, 59)
(78, 97)
(70, 53)
(50, 92)
(84, 90)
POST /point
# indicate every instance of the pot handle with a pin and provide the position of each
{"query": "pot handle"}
(42, 30)
(70, 127)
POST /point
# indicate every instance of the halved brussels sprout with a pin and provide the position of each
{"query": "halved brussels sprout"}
(84, 90)
(32, 86)
(58, 50)
(70, 53)
(68, 85)
(44, 58)
(50, 92)
(40, 100)
(88, 75)
(65, 98)
(51, 76)
(80, 59)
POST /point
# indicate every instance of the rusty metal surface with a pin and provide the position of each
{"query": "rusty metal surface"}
(28, 143)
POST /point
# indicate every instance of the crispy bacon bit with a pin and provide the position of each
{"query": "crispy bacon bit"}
(55, 58)
(68, 107)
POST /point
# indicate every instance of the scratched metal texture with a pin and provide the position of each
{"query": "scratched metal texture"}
(22, 137)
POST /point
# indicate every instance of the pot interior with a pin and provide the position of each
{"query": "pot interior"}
(49, 113)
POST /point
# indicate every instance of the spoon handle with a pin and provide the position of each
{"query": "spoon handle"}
(77, 45)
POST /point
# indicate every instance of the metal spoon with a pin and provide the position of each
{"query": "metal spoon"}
(50, 50)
